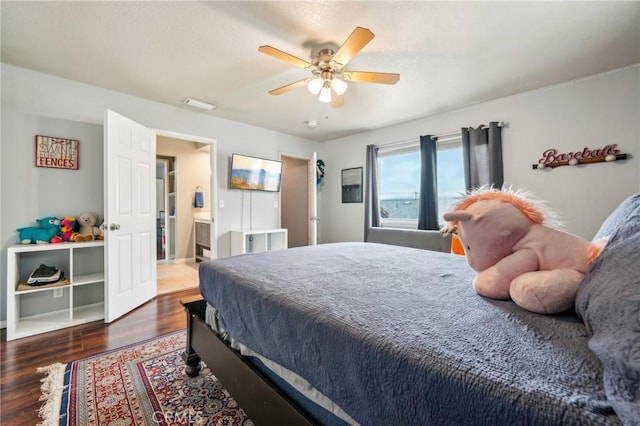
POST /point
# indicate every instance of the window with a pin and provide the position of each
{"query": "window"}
(399, 188)
(451, 185)
(399, 175)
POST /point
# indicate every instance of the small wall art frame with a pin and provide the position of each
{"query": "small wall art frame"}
(352, 185)
(57, 153)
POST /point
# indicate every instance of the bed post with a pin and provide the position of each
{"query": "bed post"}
(189, 356)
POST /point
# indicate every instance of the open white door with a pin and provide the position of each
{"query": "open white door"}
(129, 180)
(313, 201)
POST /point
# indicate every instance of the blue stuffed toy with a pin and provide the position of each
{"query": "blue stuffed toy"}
(48, 229)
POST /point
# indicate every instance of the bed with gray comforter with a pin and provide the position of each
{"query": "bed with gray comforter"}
(396, 335)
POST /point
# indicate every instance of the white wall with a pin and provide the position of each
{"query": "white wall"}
(30, 192)
(592, 112)
(34, 103)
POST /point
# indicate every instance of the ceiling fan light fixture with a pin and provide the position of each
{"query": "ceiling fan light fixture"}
(339, 85)
(315, 85)
(325, 93)
(329, 78)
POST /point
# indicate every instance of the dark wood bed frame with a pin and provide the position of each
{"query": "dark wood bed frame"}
(263, 402)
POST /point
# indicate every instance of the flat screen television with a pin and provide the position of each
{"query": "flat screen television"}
(255, 174)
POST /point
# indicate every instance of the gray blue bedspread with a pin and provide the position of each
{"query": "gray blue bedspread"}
(397, 336)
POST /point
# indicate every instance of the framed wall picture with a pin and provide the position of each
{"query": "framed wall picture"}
(352, 185)
(57, 153)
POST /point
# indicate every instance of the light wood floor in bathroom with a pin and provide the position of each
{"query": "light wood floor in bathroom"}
(177, 277)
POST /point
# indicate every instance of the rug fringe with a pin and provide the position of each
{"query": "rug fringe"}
(52, 388)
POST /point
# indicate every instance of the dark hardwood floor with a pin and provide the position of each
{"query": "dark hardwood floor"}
(20, 383)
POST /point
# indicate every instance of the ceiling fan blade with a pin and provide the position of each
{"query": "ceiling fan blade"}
(288, 87)
(279, 54)
(336, 100)
(371, 77)
(352, 45)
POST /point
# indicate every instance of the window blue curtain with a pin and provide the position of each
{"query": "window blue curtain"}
(428, 213)
(482, 154)
(372, 197)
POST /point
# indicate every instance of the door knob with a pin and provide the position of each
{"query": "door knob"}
(114, 227)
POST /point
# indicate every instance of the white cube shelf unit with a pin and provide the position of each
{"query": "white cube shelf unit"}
(257, 240)
(77, 299)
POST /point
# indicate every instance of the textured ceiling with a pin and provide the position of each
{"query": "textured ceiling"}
(449, 54)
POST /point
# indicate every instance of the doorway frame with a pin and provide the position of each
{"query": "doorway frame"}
(311, 180)
(213, 155)
(165, 167)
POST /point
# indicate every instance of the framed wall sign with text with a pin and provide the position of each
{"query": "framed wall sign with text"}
(57, 153)
(352, 185)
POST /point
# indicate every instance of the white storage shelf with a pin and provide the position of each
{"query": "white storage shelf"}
(245, 241)
(36, 310)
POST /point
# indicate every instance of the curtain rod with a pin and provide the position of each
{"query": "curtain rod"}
(447, 135)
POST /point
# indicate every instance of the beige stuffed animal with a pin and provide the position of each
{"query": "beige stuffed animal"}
(88, 229)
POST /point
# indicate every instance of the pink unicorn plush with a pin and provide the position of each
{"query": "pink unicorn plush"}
(515, 254)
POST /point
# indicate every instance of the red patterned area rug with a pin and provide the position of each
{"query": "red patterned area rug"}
(141, 384)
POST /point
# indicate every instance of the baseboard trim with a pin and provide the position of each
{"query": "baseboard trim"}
(173, 261)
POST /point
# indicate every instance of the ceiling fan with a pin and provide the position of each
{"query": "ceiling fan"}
(329, 80)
